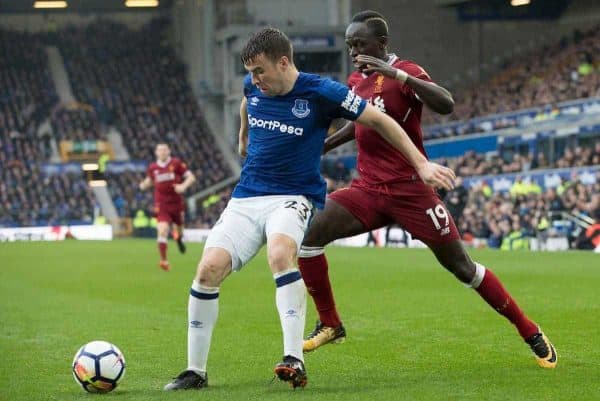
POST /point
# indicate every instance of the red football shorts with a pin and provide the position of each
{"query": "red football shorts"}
(420, 211)
(170, 213)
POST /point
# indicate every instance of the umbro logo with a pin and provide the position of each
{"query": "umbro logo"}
(254, 100)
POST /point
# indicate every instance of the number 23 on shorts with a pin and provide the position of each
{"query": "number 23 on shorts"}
(302, 208)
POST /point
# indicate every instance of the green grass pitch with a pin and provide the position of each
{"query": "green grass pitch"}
(414, 332)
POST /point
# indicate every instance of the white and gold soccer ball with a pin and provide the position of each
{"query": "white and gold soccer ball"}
(98, 366)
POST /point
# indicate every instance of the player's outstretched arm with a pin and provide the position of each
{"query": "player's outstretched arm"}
(339, 137)
(434, 96)
(145, 184)
(431, 173)
(243, 134)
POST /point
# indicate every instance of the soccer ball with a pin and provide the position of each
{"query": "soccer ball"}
(98, 366)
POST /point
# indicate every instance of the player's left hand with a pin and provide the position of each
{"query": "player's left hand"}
(374, 64)
(437, 175)
(179, 188)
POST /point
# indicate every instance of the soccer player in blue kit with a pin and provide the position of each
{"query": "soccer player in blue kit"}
(285, 115)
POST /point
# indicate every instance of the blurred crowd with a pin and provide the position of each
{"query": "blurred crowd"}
(128, 79)
(26, 97)
(566, 70)
(29, 198)
(471, 163)
(498, 217)
(210, 209)
(134, 81)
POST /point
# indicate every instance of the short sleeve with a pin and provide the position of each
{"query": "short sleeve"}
(339, 101)
(181, 168)
(415, 70)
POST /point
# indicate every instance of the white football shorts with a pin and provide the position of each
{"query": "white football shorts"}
(247, 223)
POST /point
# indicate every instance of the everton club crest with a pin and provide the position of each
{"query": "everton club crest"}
(300, 108)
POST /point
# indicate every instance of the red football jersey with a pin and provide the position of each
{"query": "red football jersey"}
(379, 163)
(165, 176)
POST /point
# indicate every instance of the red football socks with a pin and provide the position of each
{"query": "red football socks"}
(494, 293)
(315, 274)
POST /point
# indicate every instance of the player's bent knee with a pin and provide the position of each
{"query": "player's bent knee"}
(314, 238)
(162, 229)
(463, 268)
(214, 266)
(281, 253)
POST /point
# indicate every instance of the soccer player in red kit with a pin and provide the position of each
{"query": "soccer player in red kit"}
(171, 178)
(389, 191)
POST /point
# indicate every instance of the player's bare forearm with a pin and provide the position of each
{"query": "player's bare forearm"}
(243, 134)
(434, 96)
(339, 137)
(145, 184)
(189, 180)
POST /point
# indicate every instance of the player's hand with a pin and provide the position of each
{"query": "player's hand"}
(179, 188)
(437, 175)
(374, 64)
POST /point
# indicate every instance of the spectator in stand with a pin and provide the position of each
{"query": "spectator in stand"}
(456, 199)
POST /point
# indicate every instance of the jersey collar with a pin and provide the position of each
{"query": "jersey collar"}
(163, 164)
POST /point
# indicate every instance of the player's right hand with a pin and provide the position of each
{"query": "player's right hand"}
(437, 175)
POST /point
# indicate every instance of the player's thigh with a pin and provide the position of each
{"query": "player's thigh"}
(239, 231)
(214, 267)
(286, 222)
(425, 217)
(347, 212)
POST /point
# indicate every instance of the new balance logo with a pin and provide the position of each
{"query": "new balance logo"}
(379, 104)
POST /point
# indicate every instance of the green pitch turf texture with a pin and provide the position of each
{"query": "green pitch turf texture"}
(414, 332)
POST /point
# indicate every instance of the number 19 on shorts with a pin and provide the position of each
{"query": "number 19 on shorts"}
(437, 214)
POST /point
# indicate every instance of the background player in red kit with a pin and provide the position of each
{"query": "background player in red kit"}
(171, 178)
(389, 190)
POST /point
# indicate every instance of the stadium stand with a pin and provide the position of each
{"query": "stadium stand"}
(134, 80)
(129, 79)
(211, 208)
(27, 197)
(566, 70)
(498, 216)
(472, 163)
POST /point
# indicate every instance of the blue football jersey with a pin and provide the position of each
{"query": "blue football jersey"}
(286, 136)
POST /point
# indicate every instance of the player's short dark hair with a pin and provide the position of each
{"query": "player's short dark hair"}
(374, 21)
(270, 41)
